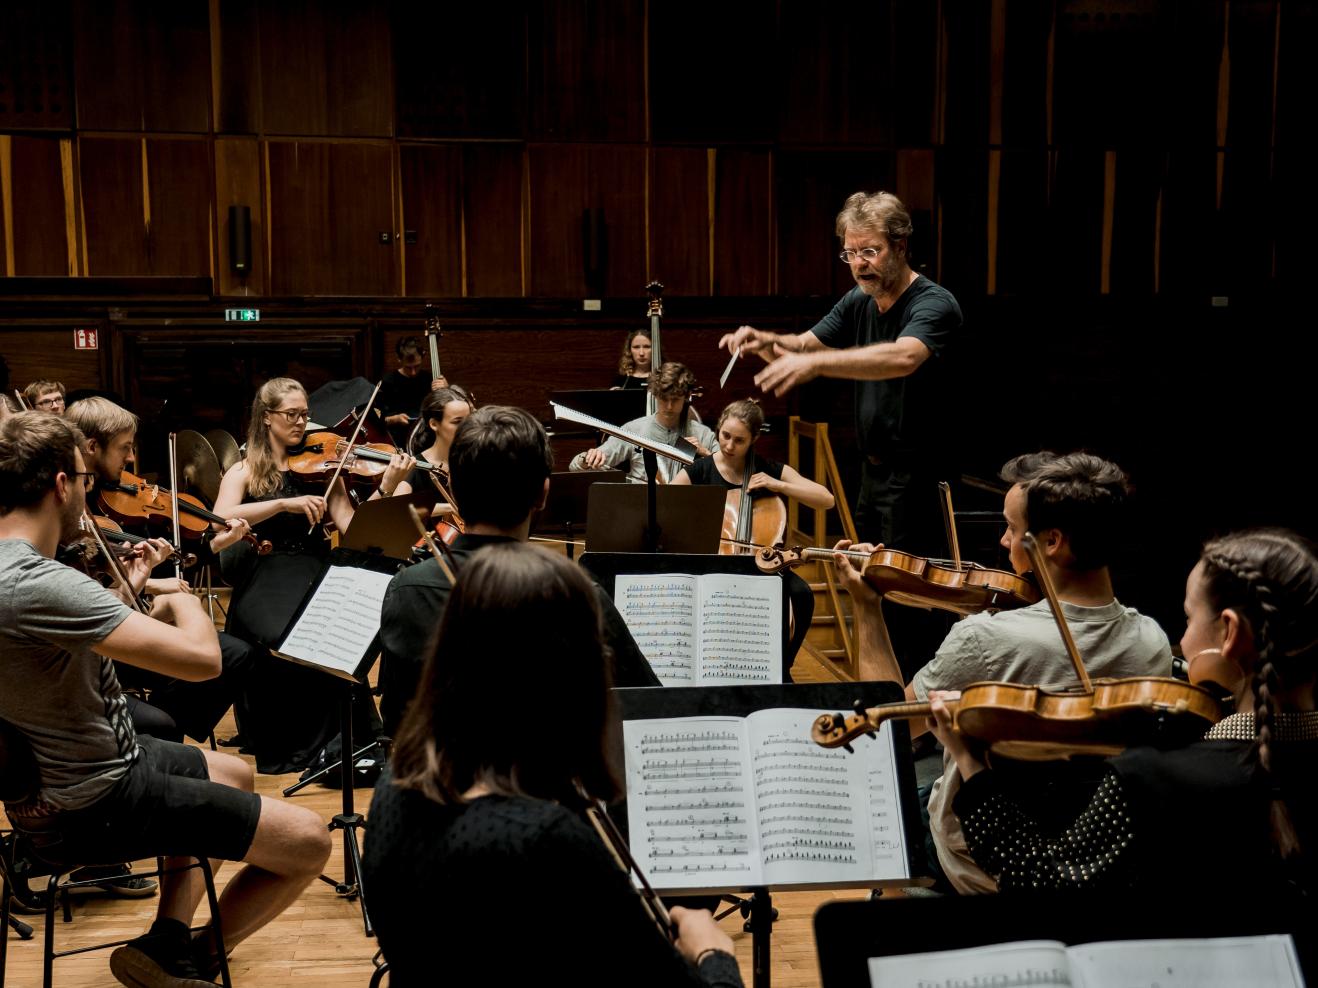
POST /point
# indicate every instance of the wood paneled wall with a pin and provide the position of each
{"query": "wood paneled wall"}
(570, 148)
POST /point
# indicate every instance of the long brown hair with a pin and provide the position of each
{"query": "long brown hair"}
(1270, 578)
(263, 476)
(515, 691)
(627, 364)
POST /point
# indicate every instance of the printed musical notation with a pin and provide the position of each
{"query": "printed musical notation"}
(340, 621)
(713, 629)
(731, 802)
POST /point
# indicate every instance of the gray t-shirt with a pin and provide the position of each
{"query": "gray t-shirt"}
(622, 455)
(61, 695)
(1024, 646)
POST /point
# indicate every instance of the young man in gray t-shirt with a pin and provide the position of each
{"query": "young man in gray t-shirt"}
(103, 793)
(1073, 505)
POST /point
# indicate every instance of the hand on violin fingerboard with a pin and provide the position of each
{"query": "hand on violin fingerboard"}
(145, 557)
(238, 529)
(969, 760)
(850, 576)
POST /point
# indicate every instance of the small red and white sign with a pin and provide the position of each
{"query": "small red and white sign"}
(84, 339)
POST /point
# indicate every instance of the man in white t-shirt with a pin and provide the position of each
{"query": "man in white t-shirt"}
(1073, 505)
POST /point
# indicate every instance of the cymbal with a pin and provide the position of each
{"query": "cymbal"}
(225, 446)
(198, 466)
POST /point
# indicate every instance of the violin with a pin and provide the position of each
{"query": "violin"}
(1035, 723)
(114, 535)
(133, 499)
(89, 553)
(322, 453)
(919, 582)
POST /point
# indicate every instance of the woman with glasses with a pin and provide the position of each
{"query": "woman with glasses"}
(267, 590)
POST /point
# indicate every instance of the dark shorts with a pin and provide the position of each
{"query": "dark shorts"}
(166, 804)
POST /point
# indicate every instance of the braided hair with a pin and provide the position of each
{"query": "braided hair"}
(1270, 578)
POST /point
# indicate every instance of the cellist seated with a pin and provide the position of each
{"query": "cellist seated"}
(738, 429)
(1074, 505)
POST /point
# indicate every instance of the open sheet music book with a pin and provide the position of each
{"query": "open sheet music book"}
(739, 802)
(337, 628)
(715, 629)
(1259, 961)
(581, 418)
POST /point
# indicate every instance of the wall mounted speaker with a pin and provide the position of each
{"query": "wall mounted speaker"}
(240, 239)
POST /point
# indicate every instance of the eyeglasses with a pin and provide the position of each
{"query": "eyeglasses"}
(88, 478)
(293, 416)
(49, 402)
(867, 253)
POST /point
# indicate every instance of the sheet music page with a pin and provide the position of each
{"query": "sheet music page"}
(660, 611)
(1260, 961)
(812, 803)
(741, 630)
(1036, 963)
(887, 831)
(690, 812)
(339, 622)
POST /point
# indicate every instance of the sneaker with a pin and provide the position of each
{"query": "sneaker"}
(118, 880)
(162, 958)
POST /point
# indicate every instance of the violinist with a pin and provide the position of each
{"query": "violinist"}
(267, 590)
(1239, 805)
(104, 793)
(501, 462)
(673, 423)
(500, 753)
(738, 429)
(634, 364)
(442, 411)
(191, 708)
(1074, 506)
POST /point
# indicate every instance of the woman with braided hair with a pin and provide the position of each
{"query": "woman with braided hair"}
(1238, 805)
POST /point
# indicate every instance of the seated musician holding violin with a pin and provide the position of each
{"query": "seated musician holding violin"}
(672, 423)
(1073, 504)
(191, 708)
(442, 411)
(737, 431)
(501, 461)
(500, 756)
(103, 793)
(1238, 806)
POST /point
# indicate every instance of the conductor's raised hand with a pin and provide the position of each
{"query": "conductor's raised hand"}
(786, 371)
(750, 340)
(311, 505)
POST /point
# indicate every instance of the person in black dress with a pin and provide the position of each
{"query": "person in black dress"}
(504, 747)
(292, 711)
(738, 428)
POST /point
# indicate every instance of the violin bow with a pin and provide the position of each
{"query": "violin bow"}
(430, 544)
(173, 504)
(613, 840)
(352, 442)
(115, 565)
(23, 404)
(949, 521)
(1041, 574)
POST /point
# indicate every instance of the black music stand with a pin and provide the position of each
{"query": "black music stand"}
(739, 701)
(357, 611)
(564, 514)
(684, 518)
(849, 933)
(384, 527)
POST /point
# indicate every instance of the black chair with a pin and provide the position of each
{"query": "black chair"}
(20, 779)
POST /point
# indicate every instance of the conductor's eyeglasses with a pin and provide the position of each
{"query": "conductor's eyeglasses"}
(866, 253)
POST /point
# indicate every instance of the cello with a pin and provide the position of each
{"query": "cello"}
(1037, 723)
(749, 523)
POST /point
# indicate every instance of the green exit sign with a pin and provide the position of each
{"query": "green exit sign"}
(242, 315)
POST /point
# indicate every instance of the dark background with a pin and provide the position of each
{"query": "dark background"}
(1119, 193)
